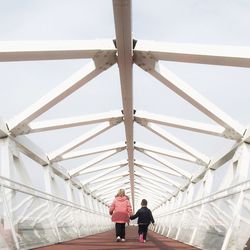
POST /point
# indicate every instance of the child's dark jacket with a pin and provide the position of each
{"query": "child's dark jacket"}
(144, 216)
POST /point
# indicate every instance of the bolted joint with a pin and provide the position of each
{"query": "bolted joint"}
(145, 60)
(22, 129)
(104, 59)
(115, 121)
(231, 134)
(201, 162)
(142, 121)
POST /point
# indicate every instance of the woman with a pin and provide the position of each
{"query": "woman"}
(120, 210)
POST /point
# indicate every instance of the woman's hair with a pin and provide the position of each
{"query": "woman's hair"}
(121, 192)
(144, 202)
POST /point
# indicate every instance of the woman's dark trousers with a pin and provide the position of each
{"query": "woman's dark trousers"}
(120, 230)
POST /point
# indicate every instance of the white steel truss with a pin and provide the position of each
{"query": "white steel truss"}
(162, 174)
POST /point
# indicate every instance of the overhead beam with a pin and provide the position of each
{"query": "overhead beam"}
(121, 181)
(216, 163)
(161, 177)
(106, 183)
(18, 124)
(52, 50)
(30, 149)
(195, 53)
(164, 169)
(141, 147)
(201, 158)
(183, 173)
(143, 118)
(57, 154)
(147, 62)
(98, 168)
(148, 185)
(124, 44)
(69, 122)
(79, 170)
(156, 181)
(111, 190)
(96, 177)
(3, 129)
(80, 153)
(123, 173)
(114, 117)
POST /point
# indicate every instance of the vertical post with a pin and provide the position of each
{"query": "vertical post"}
(6, 170)
(188, 193)
(49, 182)
(71, 198)
(205, 190)
(9, 218)
(240, 165)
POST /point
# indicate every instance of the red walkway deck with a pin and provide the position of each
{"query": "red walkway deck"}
(106, 241)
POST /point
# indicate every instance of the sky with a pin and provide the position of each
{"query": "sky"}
(214, 22)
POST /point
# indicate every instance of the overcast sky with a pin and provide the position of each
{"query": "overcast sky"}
(217, 22)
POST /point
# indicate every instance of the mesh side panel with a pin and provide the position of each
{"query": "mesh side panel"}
(6, 238)
(215, 220)
(65, 222)
(241, 230)
(175, 224)
(32, 220)
(190, 220)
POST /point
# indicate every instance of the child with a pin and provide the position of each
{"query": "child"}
(120, 210)
(145, 217)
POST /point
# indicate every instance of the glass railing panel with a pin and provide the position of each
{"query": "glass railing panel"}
(241, 227)
(214, 222)
(33, 220)
(6, 237)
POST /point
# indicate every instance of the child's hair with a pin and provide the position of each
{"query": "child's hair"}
(144, 202)
(121, 192)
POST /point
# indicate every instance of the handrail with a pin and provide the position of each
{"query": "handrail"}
(218, 195)
(43, 195)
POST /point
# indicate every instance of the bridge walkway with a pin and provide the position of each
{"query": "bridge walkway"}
(106, 241)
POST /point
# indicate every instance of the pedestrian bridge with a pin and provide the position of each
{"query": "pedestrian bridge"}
(66, 148)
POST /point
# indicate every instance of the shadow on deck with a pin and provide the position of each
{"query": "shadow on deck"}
(106, 241)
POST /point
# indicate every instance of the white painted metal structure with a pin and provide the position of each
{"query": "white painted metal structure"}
(185, 204)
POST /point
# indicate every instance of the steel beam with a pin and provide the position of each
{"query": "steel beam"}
(161, 177)
(164, 169)
(113, 176)
(18, 124)
(57, 154)
(156, 181)
(3, 129)
(79, 170)
(114, 117)
(179, 171)
(195, 53)
(123, 30)
(201, 158)
(52, 50)
(96, 177)
(80, 153)
(146, 61)
(93, 169)
(143, 118)
(141, 147)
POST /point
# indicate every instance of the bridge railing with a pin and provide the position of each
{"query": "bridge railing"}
(31, 218)
(218, 221)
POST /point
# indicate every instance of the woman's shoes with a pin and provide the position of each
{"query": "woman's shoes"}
(118, 239)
